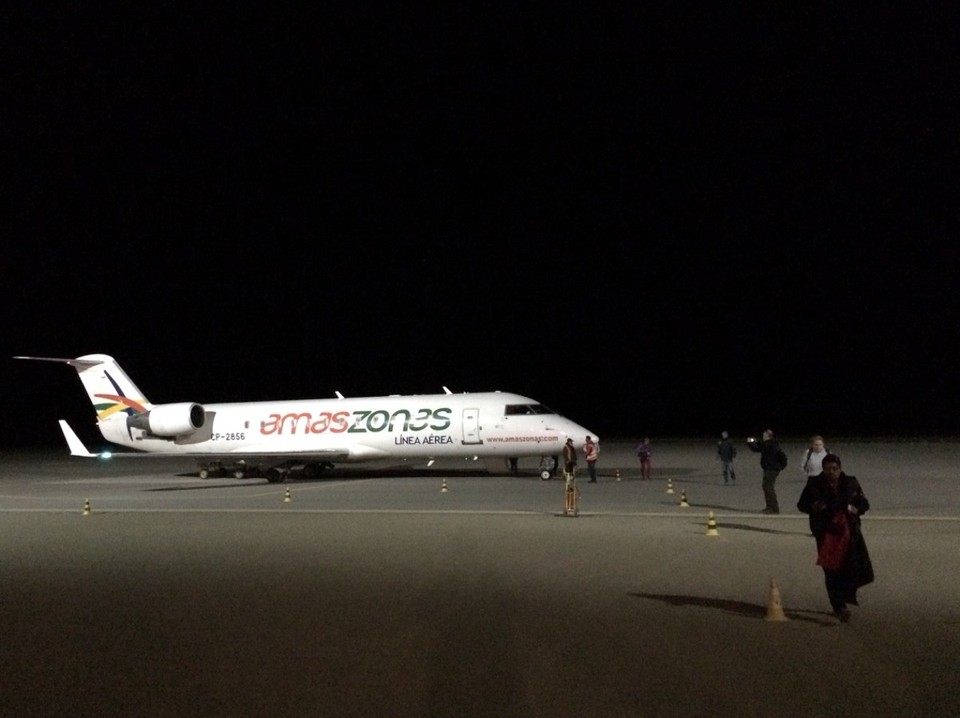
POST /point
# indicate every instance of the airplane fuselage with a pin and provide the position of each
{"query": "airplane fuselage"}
(359, 429)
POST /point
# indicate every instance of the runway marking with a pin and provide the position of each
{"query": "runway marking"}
(283, 510)
(100, 509)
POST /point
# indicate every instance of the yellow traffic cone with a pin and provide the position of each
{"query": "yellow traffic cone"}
(670, 486)
(711, 525)
(774, 606)
(443, 487)
(286, 497)
(683, 499)
(86, 507)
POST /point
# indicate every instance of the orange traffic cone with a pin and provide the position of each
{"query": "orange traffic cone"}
(683, 499)
(443, 487)
(670, 486)
(774, 606)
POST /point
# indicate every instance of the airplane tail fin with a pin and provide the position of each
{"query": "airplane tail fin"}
(110, 390)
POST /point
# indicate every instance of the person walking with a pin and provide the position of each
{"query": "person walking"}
(812, 463)
(644, 453)
(569, 460)
(772, 461)
(835, 502)
(591, 452)
(727, 452)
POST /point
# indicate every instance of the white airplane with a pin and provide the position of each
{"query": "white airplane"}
(270, 437)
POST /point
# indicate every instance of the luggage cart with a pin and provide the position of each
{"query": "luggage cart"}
(572, 496)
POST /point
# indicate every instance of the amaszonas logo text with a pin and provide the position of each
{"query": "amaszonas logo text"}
(361, 423)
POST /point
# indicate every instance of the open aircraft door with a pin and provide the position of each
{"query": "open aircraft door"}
(471, 426)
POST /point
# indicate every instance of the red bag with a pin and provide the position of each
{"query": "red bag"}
(836, 543)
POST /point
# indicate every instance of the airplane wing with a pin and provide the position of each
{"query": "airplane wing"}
(356, 453)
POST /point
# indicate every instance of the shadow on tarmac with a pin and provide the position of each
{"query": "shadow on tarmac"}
(200, 487)
(660, 473)
(758, 529)
(690, 477)
(740, 608)
(338, 474)
(712, 507)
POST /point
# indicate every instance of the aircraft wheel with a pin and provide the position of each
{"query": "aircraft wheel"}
(204, 473)
(544, 475)
(238, 474)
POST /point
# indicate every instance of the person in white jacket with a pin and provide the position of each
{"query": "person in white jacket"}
(811, 464)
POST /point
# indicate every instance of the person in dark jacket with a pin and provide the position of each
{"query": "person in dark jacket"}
(644, 454)
(726, 452)
(569, 460)
(835, 502)
(772, 461)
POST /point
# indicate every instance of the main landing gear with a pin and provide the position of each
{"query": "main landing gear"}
(275, 474)
(240, 470)
(310, 470)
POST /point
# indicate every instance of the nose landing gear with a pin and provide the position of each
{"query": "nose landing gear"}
(548, 467)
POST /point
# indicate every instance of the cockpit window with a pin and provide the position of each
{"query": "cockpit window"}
(527, 409)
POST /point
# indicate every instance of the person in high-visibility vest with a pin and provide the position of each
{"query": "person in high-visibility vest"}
(591, 452)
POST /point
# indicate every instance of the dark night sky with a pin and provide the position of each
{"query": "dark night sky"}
(657, 221)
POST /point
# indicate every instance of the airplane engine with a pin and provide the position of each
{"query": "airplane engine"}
(170, 419)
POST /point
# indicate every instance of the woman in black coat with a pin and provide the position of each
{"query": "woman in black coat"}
(835, 503)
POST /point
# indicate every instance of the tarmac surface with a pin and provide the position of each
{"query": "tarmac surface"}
(374, 592)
